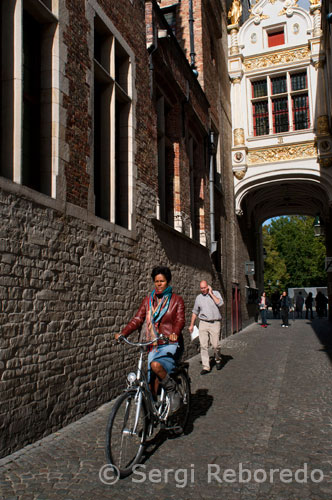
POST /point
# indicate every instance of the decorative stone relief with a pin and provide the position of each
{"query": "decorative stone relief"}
(282, 153)
(240, 171)
(238, 136)
(277, 58)
(256, 12)
(238, 157)
(288, 9)
(253, 38)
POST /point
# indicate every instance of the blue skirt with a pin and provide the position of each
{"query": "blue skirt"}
(167, 355)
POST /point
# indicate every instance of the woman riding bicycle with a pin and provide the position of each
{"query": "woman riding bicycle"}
(164, 313)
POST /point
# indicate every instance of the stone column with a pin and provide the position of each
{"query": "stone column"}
(233, 29)
(315, 11)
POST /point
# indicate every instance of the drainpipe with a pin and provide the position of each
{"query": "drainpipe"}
(151, 49)
(192, 43)
(213, 247)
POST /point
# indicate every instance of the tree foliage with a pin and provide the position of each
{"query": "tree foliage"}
(295, 257)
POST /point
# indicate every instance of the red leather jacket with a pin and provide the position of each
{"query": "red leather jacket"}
(173, 320)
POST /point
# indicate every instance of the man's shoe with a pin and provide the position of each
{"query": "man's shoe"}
(204, 372)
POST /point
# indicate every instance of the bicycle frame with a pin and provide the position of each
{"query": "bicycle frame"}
(159, 412)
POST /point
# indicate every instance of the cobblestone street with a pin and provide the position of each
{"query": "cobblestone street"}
(270, 407)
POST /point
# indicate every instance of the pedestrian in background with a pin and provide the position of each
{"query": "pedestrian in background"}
(285, 305)
(263, 305)
(299, 301)
(308, 306)
(207, 310)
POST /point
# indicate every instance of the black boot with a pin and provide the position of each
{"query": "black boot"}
(174, 397)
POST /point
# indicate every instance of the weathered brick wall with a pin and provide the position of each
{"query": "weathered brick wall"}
(69, 281)
(66, 287)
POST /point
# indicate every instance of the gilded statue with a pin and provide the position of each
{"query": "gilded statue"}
(314, 2)
(235, 12)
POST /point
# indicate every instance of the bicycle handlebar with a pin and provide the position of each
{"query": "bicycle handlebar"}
(142, 344)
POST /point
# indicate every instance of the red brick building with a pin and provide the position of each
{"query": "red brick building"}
(115, 157)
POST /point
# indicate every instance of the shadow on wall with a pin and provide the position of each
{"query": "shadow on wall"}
(179, 248)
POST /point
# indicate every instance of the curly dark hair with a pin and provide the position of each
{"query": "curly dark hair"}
(165, 271)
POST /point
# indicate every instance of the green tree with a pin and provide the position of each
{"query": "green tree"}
(296, 256)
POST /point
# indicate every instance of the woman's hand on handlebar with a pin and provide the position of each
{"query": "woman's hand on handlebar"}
(117, 336)
(173, 337)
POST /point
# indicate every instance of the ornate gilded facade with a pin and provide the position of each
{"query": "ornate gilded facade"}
(282, 144)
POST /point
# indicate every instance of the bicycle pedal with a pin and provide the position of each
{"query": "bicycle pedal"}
(173, 428)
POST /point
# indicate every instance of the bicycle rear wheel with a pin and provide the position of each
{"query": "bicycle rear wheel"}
(180, 418)
(124, 447)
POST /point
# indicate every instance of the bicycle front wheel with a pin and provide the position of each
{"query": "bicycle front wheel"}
(124, 439)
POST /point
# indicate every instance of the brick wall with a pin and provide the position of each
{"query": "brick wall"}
(68, 280)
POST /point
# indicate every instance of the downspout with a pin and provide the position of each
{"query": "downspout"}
(213, 247)
(151, 49)
(192, 43)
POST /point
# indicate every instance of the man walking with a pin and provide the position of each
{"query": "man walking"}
(207, 309)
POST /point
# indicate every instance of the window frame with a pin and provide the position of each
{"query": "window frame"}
(45, 16)
(272, 98)
(116, 60)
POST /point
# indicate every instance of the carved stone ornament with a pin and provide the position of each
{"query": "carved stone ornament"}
(238, 136)
(256, 12)
(282, 153)
(240, 173)
(267, 60)
(323, 125)
(238, 156)
(288, 9)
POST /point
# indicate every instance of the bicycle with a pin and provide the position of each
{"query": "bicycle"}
(136, 414)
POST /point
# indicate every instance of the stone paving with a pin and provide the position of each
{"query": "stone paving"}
(267, 414)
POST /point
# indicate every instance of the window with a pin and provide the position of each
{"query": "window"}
(28, 148)
(112, 118)
(170, 16)
(280, 104)
(275, 38)
(165, 163)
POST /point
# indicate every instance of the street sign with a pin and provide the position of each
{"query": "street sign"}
(328, 264)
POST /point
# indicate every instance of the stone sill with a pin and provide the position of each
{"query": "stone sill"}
(63, 207)
(177, 234)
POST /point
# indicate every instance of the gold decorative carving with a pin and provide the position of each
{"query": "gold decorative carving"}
(238, 136)
(258, 17)
(239, 174)
(236, 80)
(323, 125)
(287, 56)
(314, 2)
(282, 153)
(235, 12)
